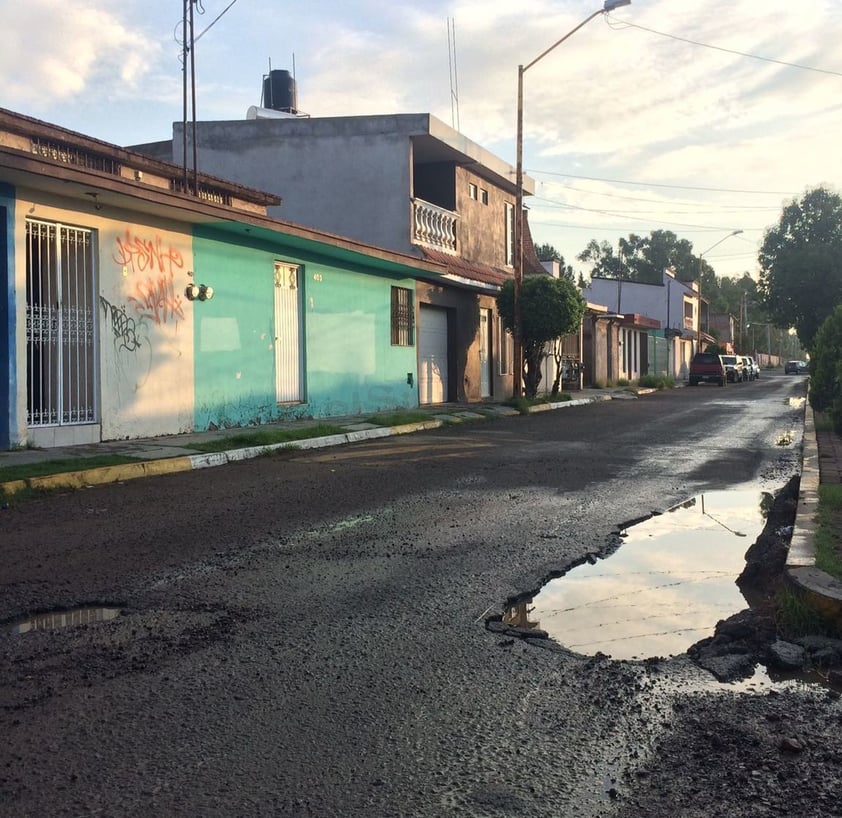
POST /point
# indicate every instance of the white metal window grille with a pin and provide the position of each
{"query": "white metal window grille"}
(403, 317)
(60, 330)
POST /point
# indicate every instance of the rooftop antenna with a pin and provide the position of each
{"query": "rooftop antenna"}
(454, 77)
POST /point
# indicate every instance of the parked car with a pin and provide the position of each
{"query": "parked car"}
(751, 369)
(706, 367)
(734, 371)
(795, 368)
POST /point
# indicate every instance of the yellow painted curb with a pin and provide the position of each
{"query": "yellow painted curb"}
(101, 475)
(421, 426)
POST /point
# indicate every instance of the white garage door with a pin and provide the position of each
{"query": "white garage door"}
(432, 354)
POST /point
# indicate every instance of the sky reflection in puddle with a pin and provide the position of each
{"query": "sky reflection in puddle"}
(663, 590)
(55, 620)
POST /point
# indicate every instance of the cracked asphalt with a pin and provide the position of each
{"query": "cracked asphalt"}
(306, 634)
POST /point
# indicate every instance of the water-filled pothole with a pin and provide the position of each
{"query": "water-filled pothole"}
(55, 620)
(664, 589)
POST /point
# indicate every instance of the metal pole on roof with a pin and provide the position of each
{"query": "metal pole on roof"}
(193, 86)
(184, 92)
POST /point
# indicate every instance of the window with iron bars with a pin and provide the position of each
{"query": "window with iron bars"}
(403, 317)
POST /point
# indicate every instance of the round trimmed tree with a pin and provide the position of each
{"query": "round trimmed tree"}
(549, 308)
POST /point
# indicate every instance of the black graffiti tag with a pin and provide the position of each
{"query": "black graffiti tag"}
(122, 325)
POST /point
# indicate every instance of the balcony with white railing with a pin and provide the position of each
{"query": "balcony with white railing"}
(434, 226)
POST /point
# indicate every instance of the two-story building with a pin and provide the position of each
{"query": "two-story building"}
(406, 182)
(654, 328)
(139, 300)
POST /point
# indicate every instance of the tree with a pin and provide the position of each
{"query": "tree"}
(604, 264)
(643, 258)
(801, 264)
(546, 252)
(549, 307)
(826, 368)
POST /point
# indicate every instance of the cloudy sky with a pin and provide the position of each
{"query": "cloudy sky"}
(697, 116)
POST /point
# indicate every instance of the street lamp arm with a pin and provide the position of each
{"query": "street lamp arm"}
(524, 68)
(732, 233)
(517, 261)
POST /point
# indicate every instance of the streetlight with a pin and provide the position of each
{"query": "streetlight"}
(608, 5)
(699, 334)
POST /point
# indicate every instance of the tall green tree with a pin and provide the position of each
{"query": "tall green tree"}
(549, 307)
(801, 264)
(826, 369)
(546, 252)
(603, 262)
(643, 258)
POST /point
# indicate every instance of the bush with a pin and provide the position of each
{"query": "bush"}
(825, 372)
(656, 382)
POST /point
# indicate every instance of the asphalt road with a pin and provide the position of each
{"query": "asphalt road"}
(305, 635)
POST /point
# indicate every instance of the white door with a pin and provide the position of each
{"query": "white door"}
(287, 333)
(485, 352)
(432, 355)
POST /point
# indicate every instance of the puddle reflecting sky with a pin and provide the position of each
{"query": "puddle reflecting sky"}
(54, 620)
(663, 590)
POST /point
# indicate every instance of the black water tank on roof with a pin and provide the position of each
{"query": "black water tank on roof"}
(279, 92)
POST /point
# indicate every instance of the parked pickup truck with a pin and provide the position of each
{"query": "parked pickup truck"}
(706, 367)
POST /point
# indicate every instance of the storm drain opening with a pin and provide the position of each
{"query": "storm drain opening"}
(665, 588)
(56, 620)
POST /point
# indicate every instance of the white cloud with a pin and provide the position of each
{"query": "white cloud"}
(52, 51)
(612, 101)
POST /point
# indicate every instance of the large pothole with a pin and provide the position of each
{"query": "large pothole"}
(665, 588)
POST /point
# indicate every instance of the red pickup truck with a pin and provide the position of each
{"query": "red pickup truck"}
(706, 367)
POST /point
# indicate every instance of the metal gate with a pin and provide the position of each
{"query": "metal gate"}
(287, 333)
(60, 313)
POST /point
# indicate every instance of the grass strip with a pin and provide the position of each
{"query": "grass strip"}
(47, 467)
(795, 618)
(829, 515)
(264, 437)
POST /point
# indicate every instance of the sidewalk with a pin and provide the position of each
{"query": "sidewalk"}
(172, 453)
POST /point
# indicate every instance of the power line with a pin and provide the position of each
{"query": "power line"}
(624, 23)
(213, 22)
(664, 202)
(635, 218)
(665, 206)
(660, 184)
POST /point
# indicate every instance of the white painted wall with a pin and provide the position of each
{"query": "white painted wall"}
(663, 302)
(144, 322)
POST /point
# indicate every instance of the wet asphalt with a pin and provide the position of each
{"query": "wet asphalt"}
(306, 635)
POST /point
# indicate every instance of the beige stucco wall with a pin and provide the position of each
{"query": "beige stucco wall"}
(143, 322)
(482, 228)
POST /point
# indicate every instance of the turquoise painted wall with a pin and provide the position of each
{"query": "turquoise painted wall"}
(349, 364)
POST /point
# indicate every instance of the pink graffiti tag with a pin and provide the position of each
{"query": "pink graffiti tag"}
(157, 300)
(139, 255)
(155, 297)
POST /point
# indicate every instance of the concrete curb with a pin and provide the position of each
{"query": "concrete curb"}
(820, 591)
(170, 465)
